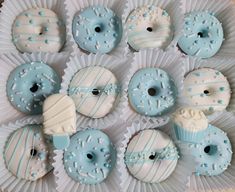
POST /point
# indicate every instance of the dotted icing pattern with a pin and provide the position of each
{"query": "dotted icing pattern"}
(151, 156)
(94, 91)
(213, 154)
(26, 154)
(97, 29)
(90, 157)
(152, 92)
(203, 35)
(149, 27)
(29, 84)
(38, 30)
(208, 90)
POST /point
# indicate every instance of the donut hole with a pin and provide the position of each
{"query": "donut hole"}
(211, 149)
(90, 156)
(203, 34)
(149, 29)
(152, 91)
(34, 88)
(206, 92)
(95, 92)
(152, 157)
(98, 29)
(33, 152)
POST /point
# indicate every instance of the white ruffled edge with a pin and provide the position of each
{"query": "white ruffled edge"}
(8, 62)
(171, 62)
(224, 181)
(111, 183)
(73, 6)
(8, 182)
(175, 182)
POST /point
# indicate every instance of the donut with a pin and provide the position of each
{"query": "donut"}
(189, 124)
(149, 26)
(26, 153)
(97, 29)
(151, 156)
(38, 30)
(203, 35)
(152, 92)
(94, 91)
(207, 89)
(213, 154)
(29, 84)
(90, 157)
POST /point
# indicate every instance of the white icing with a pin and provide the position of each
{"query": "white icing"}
(212, 81)
(156, 170)
(81, 86)
(149, 17)
(37, 30)
(59, 115)
(192, 120)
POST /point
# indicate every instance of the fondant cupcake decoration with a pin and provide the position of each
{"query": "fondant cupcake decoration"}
(203, 35)
(38, 30)
(97, 29)
(149, 27)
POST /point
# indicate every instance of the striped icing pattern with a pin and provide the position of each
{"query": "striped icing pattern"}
(95, 103)
(26, 153)
(38, 30)
(149, 27)
(161, 160)
(59, 115)
(208, 90)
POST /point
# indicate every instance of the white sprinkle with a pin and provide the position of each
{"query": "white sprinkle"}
(13, 86)
(49, 78)
(90, 175)
(88, 139)
(102, 173)
(18, 93)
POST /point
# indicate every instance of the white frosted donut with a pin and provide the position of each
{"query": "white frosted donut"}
(94, 91)
(149, 27)
(26, 153)
(38, 30)
(208, 90)
(151, 156)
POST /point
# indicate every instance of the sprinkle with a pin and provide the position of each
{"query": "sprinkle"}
(88, 139)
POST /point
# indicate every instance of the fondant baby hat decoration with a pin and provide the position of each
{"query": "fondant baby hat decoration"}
(59, 115)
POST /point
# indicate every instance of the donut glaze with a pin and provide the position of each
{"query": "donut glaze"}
(151, 156)
(97, 29)
(94, 91)
(203, 35)
(207, 89)
(149, 27)
(26, 154)
(29, 84)
(38, 30)
(152, 92)
(213, 154)
(90, 157)
(189, 124)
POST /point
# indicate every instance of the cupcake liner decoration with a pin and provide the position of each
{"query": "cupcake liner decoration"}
(10, 182)
(38, 36)
(140, 24)
(10, 64)
(174, 181)
(214, 18)
(97, 79)
(100, 23)
(168, 66)
(223, 178)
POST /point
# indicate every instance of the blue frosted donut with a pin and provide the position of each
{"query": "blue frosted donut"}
(97, 29)
(29, 84)
(152, 92)
(90, 157)
(213, 154)
(203, 35)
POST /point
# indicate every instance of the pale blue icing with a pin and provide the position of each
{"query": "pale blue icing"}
(187, 136)
(61, 142)
(167, 153)
(29, 84)
(97, 29)
(90, 157)
(213, 154)
(165, 90)
(203, 35)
